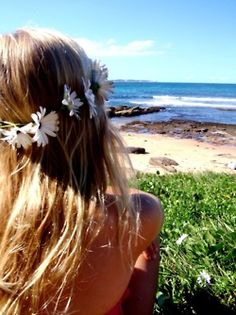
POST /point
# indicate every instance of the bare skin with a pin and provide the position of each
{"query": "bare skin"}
(108, 271)
(143, 283)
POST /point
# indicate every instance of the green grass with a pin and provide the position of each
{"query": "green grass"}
(204, 207)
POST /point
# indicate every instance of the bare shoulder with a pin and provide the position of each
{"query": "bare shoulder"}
(150, 212)
(151, 216)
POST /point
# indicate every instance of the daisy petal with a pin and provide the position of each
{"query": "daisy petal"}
(46, 125)
(71, 101)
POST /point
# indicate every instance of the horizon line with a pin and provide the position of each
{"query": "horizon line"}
(181, 82)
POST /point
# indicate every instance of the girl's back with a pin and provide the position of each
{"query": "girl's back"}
(105, 274)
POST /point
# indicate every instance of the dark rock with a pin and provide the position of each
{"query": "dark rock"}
(126, 111)
(136, 150)
(202, 130)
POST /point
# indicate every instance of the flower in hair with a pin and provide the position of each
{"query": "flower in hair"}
(89, 95)
(96, 88)
(100, 85)
(45, 125)
(18, 136)
(71, 101)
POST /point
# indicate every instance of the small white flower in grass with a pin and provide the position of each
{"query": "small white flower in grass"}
(18, 136)
(204, 278)
(71, 101)
(101, 85)
(45, 125)
(181, 239)
(90, 99)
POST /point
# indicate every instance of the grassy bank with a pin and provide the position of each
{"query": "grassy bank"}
(198, 242)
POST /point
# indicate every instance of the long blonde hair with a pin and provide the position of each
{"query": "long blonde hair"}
(49, 196)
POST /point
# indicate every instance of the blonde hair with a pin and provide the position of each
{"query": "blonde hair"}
(51, 196)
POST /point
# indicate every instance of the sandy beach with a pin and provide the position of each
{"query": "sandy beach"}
(181, 146)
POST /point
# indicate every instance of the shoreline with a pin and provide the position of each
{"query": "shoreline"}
(181, 146)
(215, 133)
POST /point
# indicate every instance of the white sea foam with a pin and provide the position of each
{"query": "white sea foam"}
(186, 101)
(197, 99)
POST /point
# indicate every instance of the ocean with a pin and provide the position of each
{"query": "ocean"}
(203, 102)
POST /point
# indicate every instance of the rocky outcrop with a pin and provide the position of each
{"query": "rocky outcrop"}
(126, 111)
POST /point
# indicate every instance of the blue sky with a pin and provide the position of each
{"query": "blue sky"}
(163, 40)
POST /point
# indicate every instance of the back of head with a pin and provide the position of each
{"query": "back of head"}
(58, 152)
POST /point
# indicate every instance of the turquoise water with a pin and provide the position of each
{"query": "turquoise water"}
(202, 102)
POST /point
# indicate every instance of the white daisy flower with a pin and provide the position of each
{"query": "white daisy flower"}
(181, 239)
(71, 101)
(45, 125)
(18, 136)
(90, 99)
(204, 278)
(102, 86)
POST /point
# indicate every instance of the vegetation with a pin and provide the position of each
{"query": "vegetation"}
(198, 242)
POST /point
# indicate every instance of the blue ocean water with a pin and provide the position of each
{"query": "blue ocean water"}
(204, 102)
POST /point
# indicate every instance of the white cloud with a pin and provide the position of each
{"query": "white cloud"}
(111, 48)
